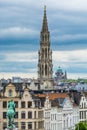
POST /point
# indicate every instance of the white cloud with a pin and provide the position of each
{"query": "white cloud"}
(75, 57)
(65, 59)
(69, 60)
(70, 56)
(18, 32)
(65, 37)
(20, 57)
(75, 5)
(59, 4)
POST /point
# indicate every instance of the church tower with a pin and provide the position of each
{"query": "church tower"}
(45, 66)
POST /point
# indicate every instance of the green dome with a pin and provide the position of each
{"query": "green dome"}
(59, 69)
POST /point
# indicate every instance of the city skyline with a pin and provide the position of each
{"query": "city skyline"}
(20, 27)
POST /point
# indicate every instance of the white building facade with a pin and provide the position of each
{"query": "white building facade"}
(56, 118)
(61, 114)
(47, 110)
(83, 108)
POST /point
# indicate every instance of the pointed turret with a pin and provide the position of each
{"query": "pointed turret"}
(45, 24)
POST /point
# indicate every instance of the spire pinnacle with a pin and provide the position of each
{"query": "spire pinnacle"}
(45, 24)
(44, 7)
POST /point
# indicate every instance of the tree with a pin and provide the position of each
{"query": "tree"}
(81, 126)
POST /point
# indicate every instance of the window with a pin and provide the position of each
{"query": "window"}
(16, 124)
(4, 125)
(40, 124)
(16, 115)
(37, 104)
(45, 37)
(80, 114)
(22, 115)
(42, 53)
(23, 126)
(46, 52)
(29, 115)
(4, 115)
(29, 125)
(16, 104)
(40, 114)
(47, 114)
(29, 104)
(22, 104)
(82, 105)
(35, 114)
(55, 116)
(34, 125)
(10, 93)
(45, 69)
(4, 104)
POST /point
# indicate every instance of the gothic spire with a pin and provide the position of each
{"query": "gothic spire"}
(45, 24)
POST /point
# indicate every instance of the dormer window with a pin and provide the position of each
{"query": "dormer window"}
(10, 93)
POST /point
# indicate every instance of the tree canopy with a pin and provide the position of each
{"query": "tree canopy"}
(81, 126)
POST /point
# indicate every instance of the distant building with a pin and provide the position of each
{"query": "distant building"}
(60, 75)
(45, 66)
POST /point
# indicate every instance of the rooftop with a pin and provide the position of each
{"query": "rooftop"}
(53, 96)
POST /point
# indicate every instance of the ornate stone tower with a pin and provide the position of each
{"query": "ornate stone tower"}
(45, 67)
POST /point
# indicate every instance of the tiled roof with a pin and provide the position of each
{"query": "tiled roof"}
(53, 96)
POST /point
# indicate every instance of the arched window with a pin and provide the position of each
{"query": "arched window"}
(82, 104)
(45, 37)
(45, 69)
(46, 52)
(23, 115)
(42, 38)
(10, 93)
(42, 69)
(42, 53)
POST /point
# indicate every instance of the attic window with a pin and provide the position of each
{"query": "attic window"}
(10, 93)
(29, 104)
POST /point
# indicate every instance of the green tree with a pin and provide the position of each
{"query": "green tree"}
(81, 126)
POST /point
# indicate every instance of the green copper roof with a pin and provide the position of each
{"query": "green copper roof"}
(59, 69)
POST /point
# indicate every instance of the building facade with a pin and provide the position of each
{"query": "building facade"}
(83, 107)
(45, 66)
(60, 75)
(60, 112)
(47, 113)
(29, 113)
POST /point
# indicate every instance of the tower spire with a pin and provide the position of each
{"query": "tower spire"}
(45, 70)
(45, 24)
(44, 7)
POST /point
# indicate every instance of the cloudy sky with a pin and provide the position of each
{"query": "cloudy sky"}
(20, 26)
